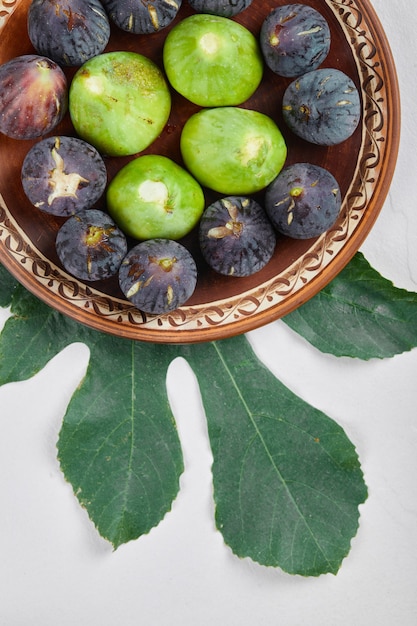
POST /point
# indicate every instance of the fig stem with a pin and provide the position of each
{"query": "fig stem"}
(296, 192)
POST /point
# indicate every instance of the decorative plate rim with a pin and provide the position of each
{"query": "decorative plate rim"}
(293, 286)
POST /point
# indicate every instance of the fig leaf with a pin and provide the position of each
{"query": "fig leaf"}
(358, 314)
(118, 445)
(287, 480)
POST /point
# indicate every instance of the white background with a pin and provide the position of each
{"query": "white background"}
(56, 571)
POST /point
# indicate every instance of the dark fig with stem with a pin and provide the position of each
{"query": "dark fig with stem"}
(294, 39)
(158, 276)
(90, 246)
(236, 237)
(322, 106)
(303, 201)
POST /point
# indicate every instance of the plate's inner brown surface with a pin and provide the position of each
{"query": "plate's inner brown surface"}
(340, 160)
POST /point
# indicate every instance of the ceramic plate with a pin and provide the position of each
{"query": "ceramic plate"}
(221, 306)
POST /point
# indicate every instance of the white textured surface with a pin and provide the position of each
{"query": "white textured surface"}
(56, 571)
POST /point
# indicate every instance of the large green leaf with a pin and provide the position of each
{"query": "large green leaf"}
(359, 314)
(118, 445)
(287, 481)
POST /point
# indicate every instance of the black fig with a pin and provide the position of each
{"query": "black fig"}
(69, 32)
(236, 237)
(295, 39)
(62, 175)
(303, 201)
(158, 276)
(322, 106)
(90, 246)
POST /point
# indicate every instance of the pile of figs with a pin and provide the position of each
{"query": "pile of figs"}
(119, 103)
